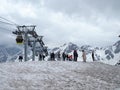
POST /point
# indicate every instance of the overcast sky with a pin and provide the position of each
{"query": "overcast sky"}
(93, 22)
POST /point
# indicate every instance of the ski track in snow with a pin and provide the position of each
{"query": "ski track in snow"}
(59, 75)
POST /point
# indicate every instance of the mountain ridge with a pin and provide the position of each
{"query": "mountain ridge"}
(104, 54)
(109, 55)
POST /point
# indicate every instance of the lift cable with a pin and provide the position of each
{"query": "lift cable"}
(6, 22)
(9, 21)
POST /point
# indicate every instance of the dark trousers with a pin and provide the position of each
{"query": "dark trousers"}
(75, 58)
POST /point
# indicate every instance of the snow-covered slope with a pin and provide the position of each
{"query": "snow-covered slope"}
(59, 75)
(111, 54)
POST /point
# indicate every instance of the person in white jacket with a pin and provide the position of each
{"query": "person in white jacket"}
(84, 56)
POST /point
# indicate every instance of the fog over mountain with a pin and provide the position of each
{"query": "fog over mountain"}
(90, 22)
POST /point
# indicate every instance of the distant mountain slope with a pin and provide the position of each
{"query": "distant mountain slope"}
(67, 47)
(109, 55)
(9, 52)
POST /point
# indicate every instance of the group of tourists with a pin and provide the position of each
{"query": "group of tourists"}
(66, 57)
(63, 56)
(69, 57)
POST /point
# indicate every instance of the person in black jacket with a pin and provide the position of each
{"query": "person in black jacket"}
(63, 56)
(20, 58)
(40, 57)
(75, 54)
(93, 57)
(52, 56)
(58, 55)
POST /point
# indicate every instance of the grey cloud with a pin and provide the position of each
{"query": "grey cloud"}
(80, 21)
(33, 2)
(86, 8)
(68, 6)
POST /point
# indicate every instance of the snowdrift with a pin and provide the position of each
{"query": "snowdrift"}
(59, 75)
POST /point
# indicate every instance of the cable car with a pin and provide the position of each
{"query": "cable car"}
(19, 39)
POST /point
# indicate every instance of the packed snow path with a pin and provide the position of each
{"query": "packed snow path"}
(59, 75)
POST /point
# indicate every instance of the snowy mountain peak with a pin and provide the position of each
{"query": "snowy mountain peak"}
(67, 47)
(117, 47)
(109, 55)
(117, 43)
(70, 43)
